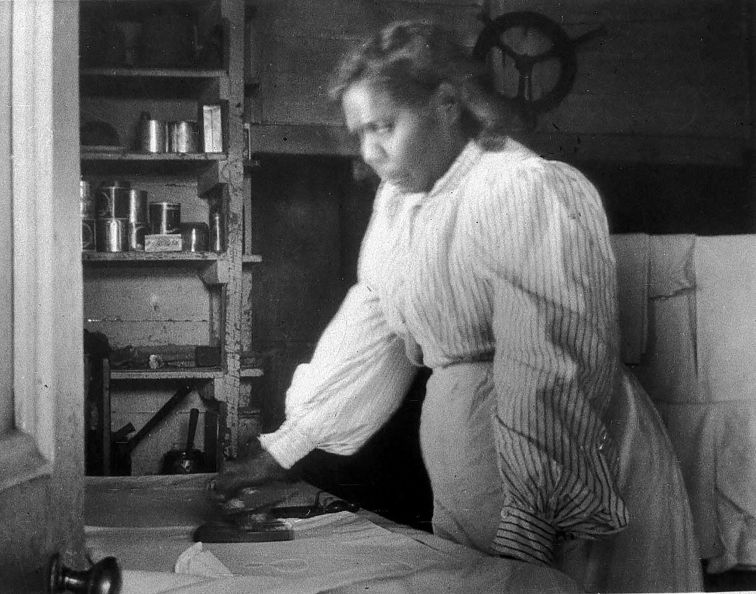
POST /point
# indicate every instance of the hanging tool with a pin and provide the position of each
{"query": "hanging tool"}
(121, 463)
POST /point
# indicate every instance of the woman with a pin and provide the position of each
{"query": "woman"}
(493, 267)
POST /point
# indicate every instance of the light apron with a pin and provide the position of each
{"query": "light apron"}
(656, 553)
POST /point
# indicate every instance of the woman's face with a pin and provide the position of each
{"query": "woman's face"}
(411, 147)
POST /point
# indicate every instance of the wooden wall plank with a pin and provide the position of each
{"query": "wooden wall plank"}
(669, 67)
(166, 308)
(592, 11)
(641, 114)
(355, 18)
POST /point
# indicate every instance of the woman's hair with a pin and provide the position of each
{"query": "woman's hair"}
(410, 59)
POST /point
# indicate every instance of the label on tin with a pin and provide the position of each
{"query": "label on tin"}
(162, 243)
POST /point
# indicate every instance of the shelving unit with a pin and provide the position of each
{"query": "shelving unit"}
(156, 299)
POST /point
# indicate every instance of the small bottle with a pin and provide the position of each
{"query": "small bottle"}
(216, 232)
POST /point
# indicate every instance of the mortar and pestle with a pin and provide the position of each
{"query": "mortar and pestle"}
(189, 460)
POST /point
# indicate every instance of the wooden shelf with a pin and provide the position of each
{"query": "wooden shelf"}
(152, 83)
(125, 162)
(134, 257)
(87, 155)
(251, 259)
(121, 71)
(212, 268)
(207, 373)
(251, 372)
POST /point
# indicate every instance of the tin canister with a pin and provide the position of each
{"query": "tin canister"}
(113, 202)
(112, 235)
(86, 200)
(216, 232)
(182, 137)
(195, 237)
(165, 217)
(137, 232)
(88, 235)
(153, 136)
(138, 206)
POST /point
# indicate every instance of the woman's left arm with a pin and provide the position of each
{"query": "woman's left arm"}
(545, 247)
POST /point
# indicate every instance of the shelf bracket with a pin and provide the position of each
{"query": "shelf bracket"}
(216, 273)
(209, 179)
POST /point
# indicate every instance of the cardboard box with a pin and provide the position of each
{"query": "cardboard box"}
(212, 128)
(163, 243)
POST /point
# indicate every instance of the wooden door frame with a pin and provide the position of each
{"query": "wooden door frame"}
(42, 454)
(29, 450)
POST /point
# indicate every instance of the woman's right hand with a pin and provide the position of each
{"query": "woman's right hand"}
(253, 470)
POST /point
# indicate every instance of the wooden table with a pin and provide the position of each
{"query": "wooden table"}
(147, 523)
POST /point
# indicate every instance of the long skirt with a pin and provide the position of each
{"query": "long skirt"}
(657, 552)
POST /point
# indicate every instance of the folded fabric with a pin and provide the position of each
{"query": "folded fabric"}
(735, 480)
(715, 443)
(726, 316)
(632, 254)
(668, 368)
(196, 561)
(672, 267)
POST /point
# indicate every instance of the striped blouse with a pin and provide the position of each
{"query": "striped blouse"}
(507, 259)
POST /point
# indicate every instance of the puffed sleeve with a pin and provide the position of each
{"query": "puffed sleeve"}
(357, 378)
(541, 237)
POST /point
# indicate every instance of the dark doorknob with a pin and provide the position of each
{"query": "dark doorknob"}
(104, 577)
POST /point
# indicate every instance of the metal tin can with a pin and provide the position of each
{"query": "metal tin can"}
(86, 200)
(152, 136)
(137, 232)
(165, 217)
(88, 235)
(182, 137)
(195, 237)
(112, 235)
(113, 202)
(138, 206)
